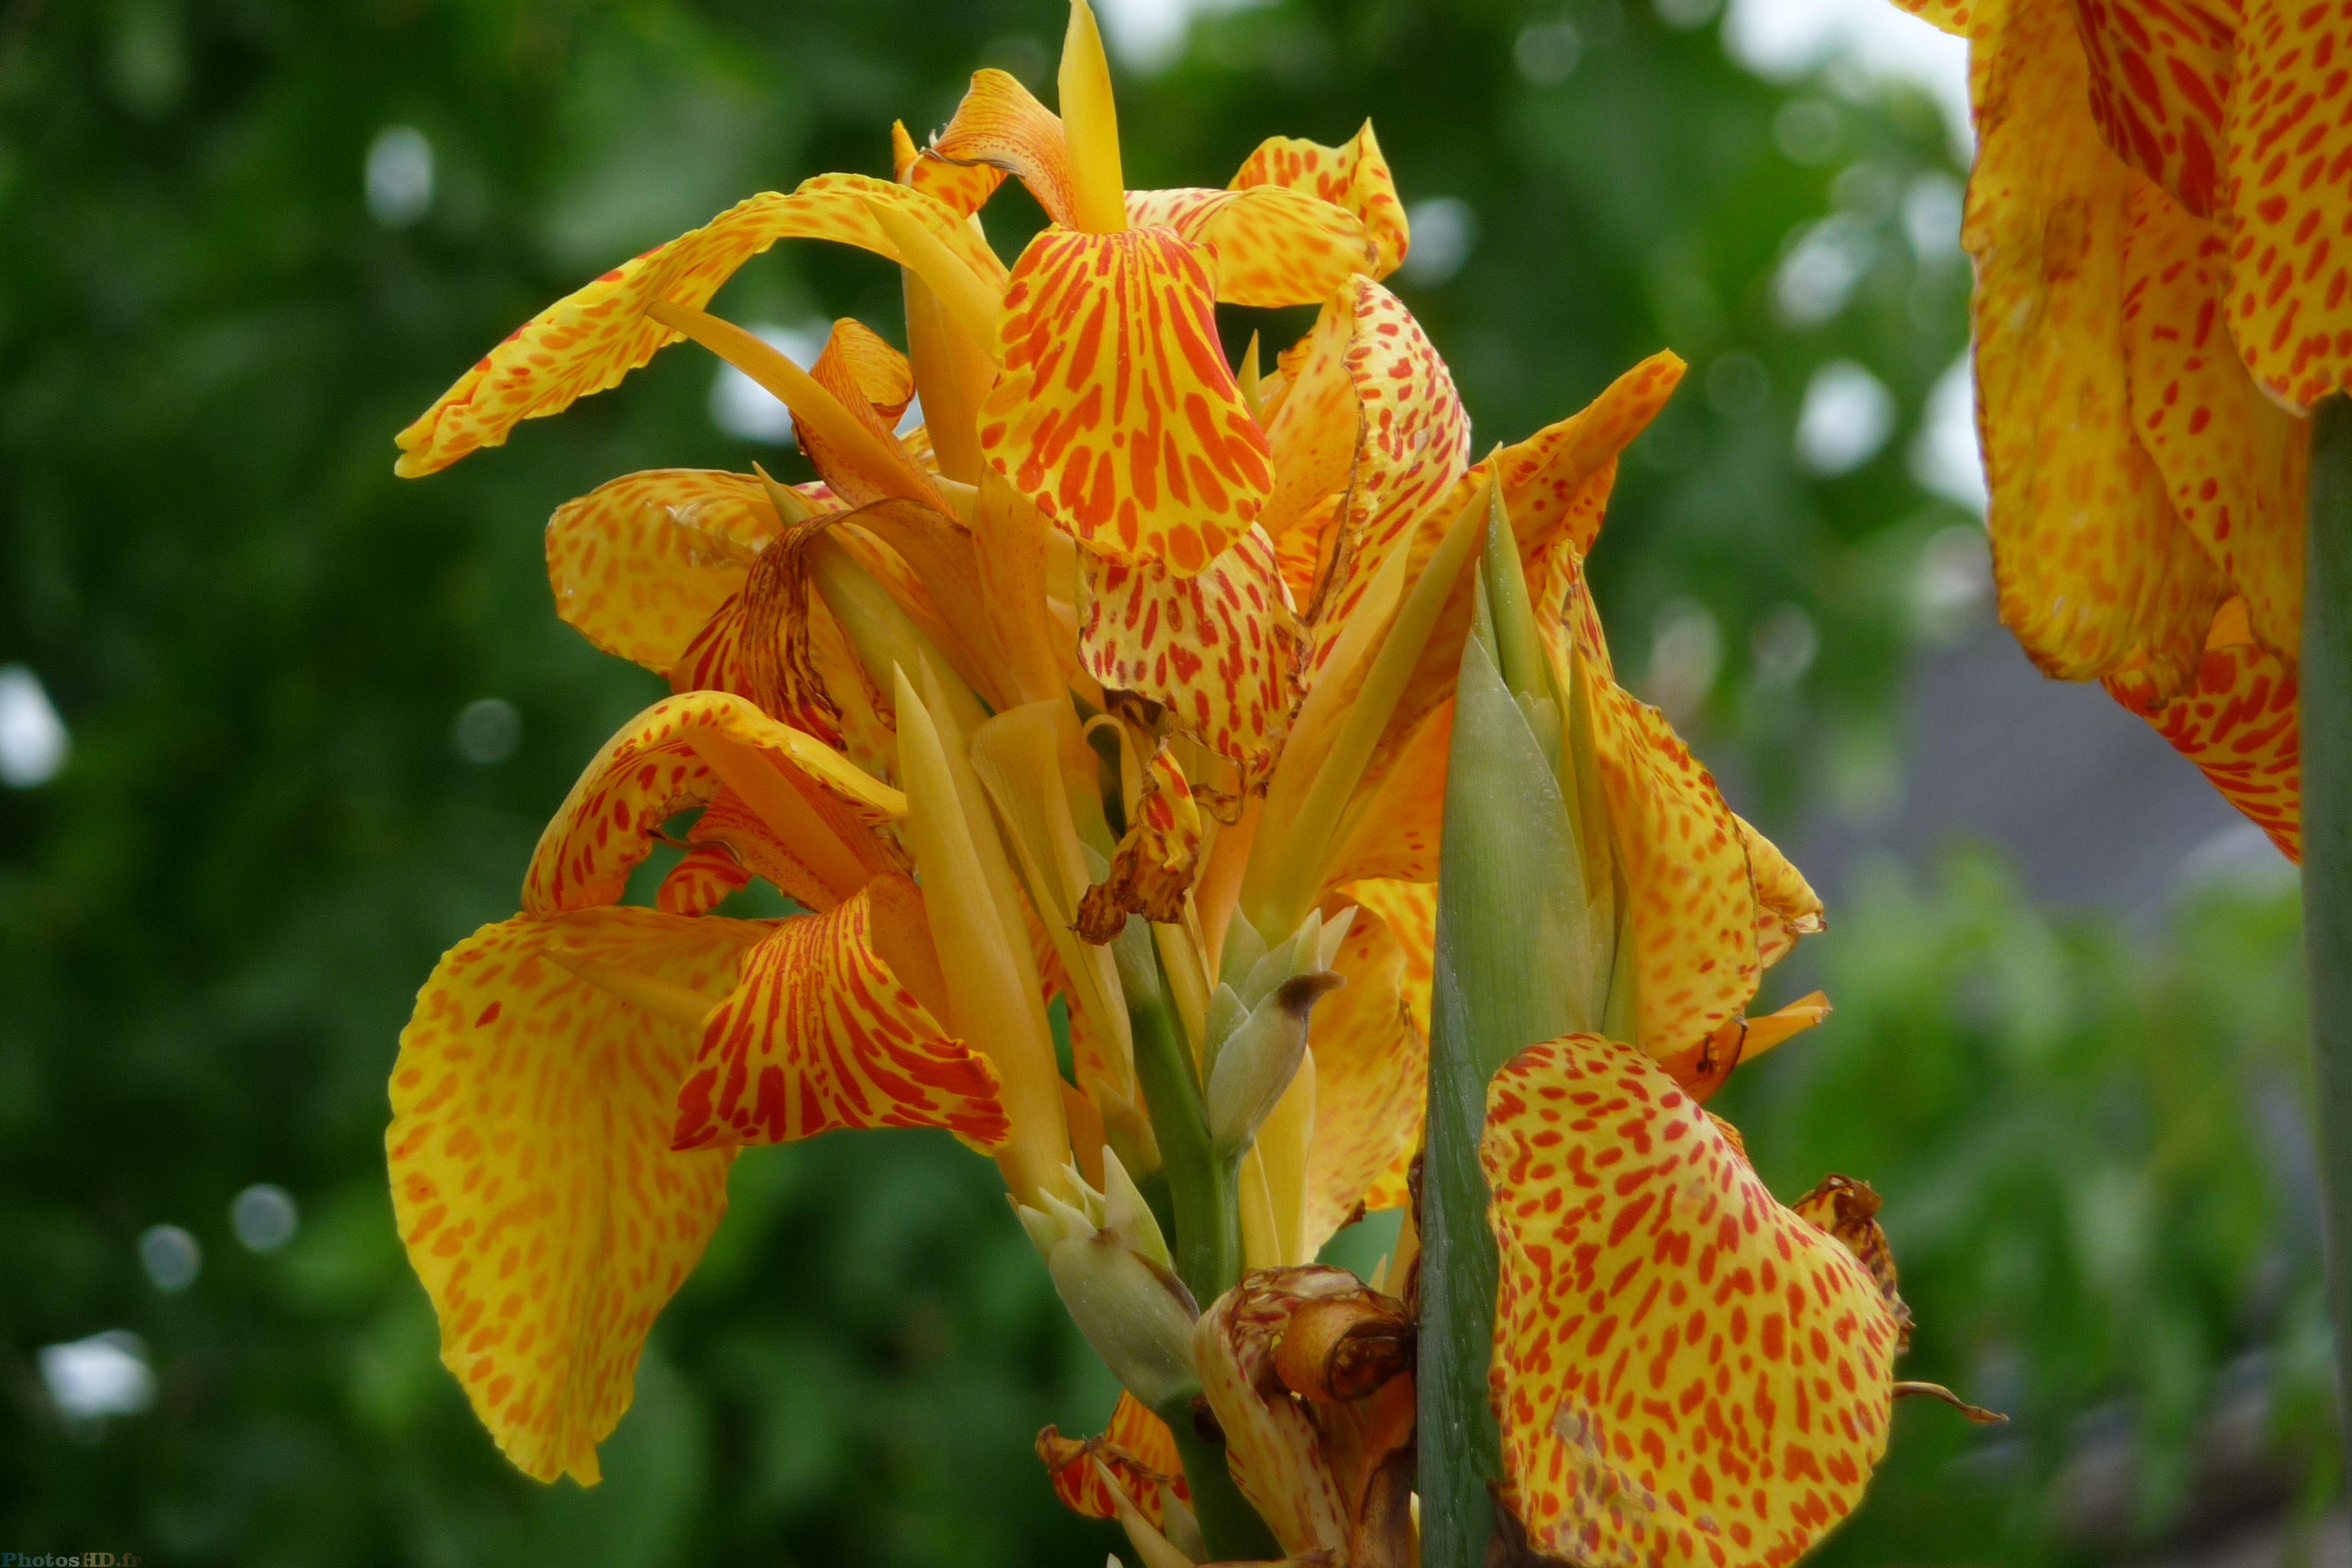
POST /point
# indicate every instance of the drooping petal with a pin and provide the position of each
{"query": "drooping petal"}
(1787, 906)
(1687, 1372)
(2238, 724)
(1218, 649)
(638, 565)
(1370, 1040)
(1000, 124)
(1368, 407)
(701, 881)
(1703, 1068)
(2290, 197)
(826, 1029)
(593, 337)
(2160, 73)
(531, 1171)
(1137, 1452)
(820, 809)
(1152, 868)
(2095, 570)
(1354, 176)
(1116, 413)
(2236, 465)
(1275, 246)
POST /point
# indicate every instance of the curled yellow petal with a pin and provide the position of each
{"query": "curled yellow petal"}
(1354, 176)
(640, 563)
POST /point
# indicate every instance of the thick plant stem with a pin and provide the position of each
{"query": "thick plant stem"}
(1208, 1244)
(2326, 720)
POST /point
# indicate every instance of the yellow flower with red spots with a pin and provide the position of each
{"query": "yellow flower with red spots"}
(1122, 686)
(2161, 218)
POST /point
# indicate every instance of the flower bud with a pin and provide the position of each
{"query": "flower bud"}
(1135, 1312)
(1260, 1058)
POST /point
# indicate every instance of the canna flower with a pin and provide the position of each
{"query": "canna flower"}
(2159, 215)
(1122, 686)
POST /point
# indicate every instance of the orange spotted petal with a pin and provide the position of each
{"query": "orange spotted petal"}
(2236, 465)
(826, 1030)
(1369, 408)
(701, 881)
(1354, 176)
(1687, 1372)
(2238, 724)
(2160, 72)
(660, 764)
(590, 339)
(1137, 1452)
(1217, 650)
(531, 1173)
(874, 382)
(1696, 915)
(1000, 125)
(1787, 906)
(1275, 246)
(966, 187)
(1392, 827)
(640, 563)
(1115, 412)
(1370, 1040)
(2290, 197)
(2095, 570)
(1271, 1441)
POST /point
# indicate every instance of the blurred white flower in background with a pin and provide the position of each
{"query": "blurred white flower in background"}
(263, 1216)
(1944, 457)
(747, 411)
(170, 1258)
(1847, 416)
(33, 743)
(399, 176)
(1444, 231)
(105, 1375)
(1781, 40)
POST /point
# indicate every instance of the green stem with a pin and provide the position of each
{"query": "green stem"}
(2327, 721)
(1208, 1239)
(1200, 1183)
(1229, 1527)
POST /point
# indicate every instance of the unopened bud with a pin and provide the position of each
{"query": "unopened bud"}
(1257, 1062)
(1135, 1312)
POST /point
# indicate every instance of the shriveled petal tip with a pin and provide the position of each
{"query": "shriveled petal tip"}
(1687, 1372)
(1787, 908)
(640, 563)
(1354, 176)
(1152, 869)
(588, 340)
(2290, 197)
(1274, 246)
(660, 765)
(1218, 649)
(2095, 570)
(1136, 1451)
(1115, 412)
(1370, 1042)
(2237, 466)
(2238, 724)
(826, 1030)
(531, 1173)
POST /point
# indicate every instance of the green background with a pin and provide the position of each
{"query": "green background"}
(2087, 1119)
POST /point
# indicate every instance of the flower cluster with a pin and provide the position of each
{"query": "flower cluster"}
(1096, 728)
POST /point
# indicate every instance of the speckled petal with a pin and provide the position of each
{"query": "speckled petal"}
(640, 563)
(826, 1030)
(652, 770)
(2238, 724)
(1115, 412)
(531, 1173)
(701, 881)
(1000, 125)
(1218, 649)
(1274, 246)
(966, 187)
(1353, 175)
(2290, 197)
(588, 340)
(2095, 570)
(2160, 73)
(1152, 868)
(875, 383)
(1687, 1372)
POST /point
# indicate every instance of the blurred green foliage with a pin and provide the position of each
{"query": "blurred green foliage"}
(212, 921)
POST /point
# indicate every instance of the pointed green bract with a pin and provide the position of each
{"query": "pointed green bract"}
(1521, 957)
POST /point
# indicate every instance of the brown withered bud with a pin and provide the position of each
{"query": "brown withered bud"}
(1342, 1348)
